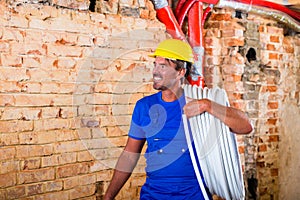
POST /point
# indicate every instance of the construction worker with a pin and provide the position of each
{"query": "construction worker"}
(157, 120)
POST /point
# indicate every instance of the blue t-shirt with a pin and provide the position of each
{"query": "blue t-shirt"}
(160, 123)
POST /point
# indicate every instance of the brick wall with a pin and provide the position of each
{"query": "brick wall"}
(69, 80)
(68, 83)
(257, 62)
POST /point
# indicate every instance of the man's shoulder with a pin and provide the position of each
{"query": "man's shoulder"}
(150, 98)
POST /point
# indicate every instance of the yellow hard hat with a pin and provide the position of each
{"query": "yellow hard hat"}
(174, 49)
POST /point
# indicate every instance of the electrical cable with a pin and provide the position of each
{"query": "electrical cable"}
(215, 147)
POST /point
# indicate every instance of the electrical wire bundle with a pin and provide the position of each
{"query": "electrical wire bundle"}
(213, 148)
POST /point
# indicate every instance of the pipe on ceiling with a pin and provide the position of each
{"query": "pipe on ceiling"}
(278, 15)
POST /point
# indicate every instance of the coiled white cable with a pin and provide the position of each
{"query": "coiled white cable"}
(215, 147)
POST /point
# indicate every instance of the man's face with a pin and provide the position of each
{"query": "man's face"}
(164, 74)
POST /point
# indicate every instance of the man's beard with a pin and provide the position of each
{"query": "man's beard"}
(159, 87)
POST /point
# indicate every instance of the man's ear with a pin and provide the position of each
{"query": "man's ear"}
(182, 73)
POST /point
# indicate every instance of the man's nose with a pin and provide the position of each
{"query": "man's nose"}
(155, 69)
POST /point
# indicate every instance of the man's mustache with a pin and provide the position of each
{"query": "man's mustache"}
(157, 75)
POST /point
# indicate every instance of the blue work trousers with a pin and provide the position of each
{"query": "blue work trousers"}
(171, 189)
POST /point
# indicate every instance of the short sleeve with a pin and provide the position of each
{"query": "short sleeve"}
(136, 130)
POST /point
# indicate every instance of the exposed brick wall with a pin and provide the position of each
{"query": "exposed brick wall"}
(69, 80)
(258, 65)
(68, 84)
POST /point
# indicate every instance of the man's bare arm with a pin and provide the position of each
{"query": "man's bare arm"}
(124, 167)
(235, 119)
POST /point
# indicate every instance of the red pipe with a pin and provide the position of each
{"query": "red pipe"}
(179, 6)
(275, 6)
(184, 6)
(205, 13)
(195, 32)
(166, 16)
(184, 10)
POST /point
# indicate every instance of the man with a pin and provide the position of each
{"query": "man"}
(157, 119)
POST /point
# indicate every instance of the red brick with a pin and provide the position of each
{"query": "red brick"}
(65, 63)
(69, 146)
(59, 159)
(119, 141)
(50, 87)
(272, 105)
(221, 17)
(63, 100)
(24, 151)
(9, 86)
(272, 114)
(51, 124)
(9, 139)
(53, 195)
(261, 28)
(38, 75)
(72, 170)
(84, 156)
(274, 30)
(28, 49)
(13, 73)
(11, 60)
(274, 172)
(7, 152)
(241, 149)
(288, 46)
(30, 87)
(272, 88)
(16, 192)
(53, 186)
(13, 34)
(271, 47)
(273, 56)
(34, 189)
(274, 39)
(262, 148)
(4, 46)
(70, 182)
(273, 138)
(8, 179)
(7, 100)
(66, 88)
(145, 14)
(37, 175)
(34, 99)
(64, 51)
(101, 109)
(9, 166)
(3, 194)
(234, 42)
(66, 135)
(82, 191)
(10, 113)
(31, 163)
(15, 126)
(271, 121)
(50, 112)
(232, 32)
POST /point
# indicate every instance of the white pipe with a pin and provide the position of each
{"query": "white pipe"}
(193, 156)
(215, 148)
(277, 15)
